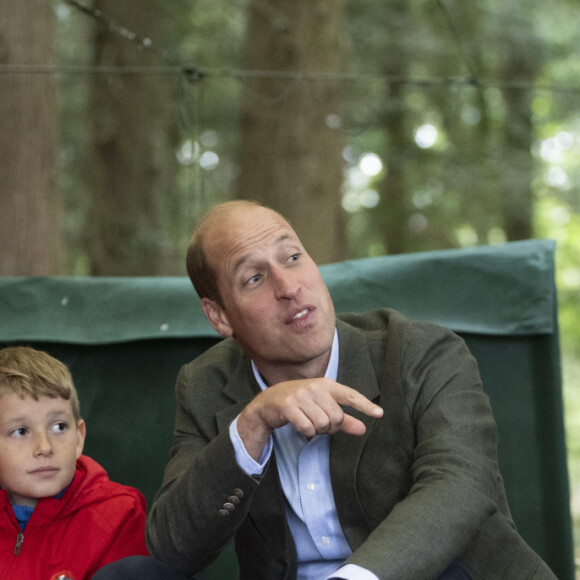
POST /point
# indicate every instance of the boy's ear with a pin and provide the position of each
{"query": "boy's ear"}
(81, 433)
(216, 316)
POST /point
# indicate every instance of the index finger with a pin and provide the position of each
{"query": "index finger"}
(348, 396)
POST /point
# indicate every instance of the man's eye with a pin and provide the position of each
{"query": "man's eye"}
(293, 257)
(255, 278)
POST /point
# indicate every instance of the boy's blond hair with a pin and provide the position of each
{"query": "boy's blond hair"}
(25, 371)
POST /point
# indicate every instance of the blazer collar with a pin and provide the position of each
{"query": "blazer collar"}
(355, 367)
(356, 370)
(241, 388)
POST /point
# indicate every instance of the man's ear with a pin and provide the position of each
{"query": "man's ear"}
(216, 316)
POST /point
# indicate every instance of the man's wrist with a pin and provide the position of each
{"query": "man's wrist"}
(253, 435)
(244, 459)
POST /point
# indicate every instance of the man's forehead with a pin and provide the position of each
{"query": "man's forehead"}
(244, 230)
(280, 241)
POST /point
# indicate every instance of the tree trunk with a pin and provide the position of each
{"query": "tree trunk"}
(523, 61)
(291, 152)
(30, 234)
(393, 213)
(517, 186)
(132, 207)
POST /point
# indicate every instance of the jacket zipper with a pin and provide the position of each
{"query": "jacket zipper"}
(19, 540)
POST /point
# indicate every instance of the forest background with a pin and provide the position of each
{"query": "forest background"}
(376, 127)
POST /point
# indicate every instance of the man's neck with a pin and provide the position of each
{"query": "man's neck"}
(312, 369)
(282, 373)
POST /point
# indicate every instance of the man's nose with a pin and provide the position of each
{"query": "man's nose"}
(285, 284)
(42, 445)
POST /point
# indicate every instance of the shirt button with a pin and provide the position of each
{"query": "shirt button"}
(310, 486)
(325, 541)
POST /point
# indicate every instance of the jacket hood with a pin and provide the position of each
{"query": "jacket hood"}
(90, 485)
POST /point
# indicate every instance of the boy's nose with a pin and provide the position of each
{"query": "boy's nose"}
(43, 446)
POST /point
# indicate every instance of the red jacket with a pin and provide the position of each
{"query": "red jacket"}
(95, 522)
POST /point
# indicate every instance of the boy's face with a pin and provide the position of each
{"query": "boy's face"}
(39, 446)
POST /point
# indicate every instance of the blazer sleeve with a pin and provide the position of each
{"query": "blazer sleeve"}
(455, 479)
(189, 523)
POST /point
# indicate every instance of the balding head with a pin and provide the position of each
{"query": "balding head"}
(202, 272)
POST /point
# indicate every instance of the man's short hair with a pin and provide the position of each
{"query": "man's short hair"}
(202, 274)
(25, 371)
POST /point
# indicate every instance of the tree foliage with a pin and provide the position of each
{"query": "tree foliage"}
(435, 124)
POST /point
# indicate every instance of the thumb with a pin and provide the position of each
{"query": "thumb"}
(352, 426)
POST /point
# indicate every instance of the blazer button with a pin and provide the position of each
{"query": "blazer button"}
(237, 492)
(223, 514)
(234, 500)
(229, 506)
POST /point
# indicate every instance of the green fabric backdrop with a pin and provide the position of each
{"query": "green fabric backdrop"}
(124, 340)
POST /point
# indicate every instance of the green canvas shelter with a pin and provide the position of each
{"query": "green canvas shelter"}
(124, 340)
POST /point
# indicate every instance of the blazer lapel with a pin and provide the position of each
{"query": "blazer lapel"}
(241, 388)
(357, 371)
(268, 509)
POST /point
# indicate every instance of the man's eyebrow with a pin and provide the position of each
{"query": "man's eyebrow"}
(281, 238)
(241, 262)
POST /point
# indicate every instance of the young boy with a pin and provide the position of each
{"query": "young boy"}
(61, 518)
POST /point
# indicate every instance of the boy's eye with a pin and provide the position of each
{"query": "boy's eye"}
(18, 433)
(59, 427)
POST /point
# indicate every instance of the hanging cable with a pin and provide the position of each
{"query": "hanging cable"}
(143, 42)
(460, 47)
(202, 72)
(193, 71)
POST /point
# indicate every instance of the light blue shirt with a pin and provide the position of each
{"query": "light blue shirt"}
(303, 466)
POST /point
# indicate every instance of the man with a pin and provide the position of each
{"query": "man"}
(357, 447)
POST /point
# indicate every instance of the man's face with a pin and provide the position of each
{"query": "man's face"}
(276, 304)
(39, 446)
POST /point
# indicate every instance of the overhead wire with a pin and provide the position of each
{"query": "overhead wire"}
(120, 29)
(194, 73)
(193, 77)
(190, 103)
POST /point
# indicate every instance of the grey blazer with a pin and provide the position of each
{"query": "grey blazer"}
(420, 490)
